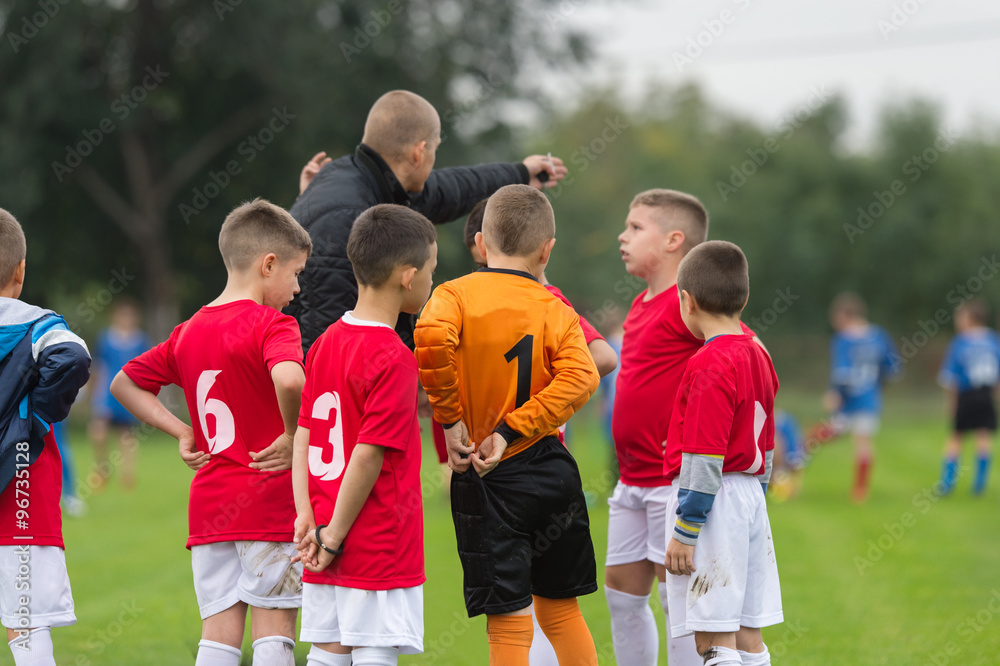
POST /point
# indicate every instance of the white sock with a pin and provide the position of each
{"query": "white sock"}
(375, 656)
(211, 653)
(318, 657)
(756, 658)
(33, 649)
(633, 629)
(722, 656)
(542, 653)
(680, 651)
(273, 651)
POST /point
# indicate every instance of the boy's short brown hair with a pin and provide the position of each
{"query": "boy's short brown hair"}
(13, 248)
(259, 227)
(517, 220)
(474, 224)
(385, 237)
(678, 211)
(717, 276)
(850, 304)
(975, 309)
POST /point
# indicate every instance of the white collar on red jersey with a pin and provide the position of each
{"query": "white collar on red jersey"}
(349, 318)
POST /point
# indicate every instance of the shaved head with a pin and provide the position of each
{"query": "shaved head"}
(398, 120)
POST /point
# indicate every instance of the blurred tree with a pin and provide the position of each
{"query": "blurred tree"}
(129, 128)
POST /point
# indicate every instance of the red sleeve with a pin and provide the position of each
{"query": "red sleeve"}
(156, 368)
(282, 341)
(305, 409)
(711, 407)
(391, 406)
(589, 332)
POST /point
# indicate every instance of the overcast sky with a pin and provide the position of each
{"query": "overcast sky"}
(768, 56)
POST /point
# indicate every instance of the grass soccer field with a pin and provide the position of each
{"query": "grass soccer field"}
(908, 578)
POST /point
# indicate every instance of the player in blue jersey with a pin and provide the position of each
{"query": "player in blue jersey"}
(117, 345)
(862, 357)
(789, 457)
(970, 374)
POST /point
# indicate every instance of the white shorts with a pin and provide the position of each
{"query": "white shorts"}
(858, 423)
(34, 588)
(735, 582)
(258, 573)
(364, 618)
(637, 519)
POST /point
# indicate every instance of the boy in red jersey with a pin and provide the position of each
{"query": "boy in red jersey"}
(662, 226)
(724, 586)
(357, 456)
(42, 366)
(239, 361)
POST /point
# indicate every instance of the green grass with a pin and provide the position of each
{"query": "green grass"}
(930, 594)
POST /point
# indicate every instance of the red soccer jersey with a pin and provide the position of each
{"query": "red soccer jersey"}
(222, 357)
(589, 332)
(725, 406)
(655, 350)
(37, 488)
(361, 388)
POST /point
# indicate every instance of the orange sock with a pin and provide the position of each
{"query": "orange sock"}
(564, 626)
(510, 639)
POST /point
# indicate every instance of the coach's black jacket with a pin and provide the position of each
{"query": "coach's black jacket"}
(348, 186)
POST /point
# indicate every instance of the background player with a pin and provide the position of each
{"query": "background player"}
(970, 374)
(505, 364)
(862, 357)
(357, 456)
(33, 342)
(661, 228)
(227, 358)
(789, 457)
(118, 344)
(719, 455)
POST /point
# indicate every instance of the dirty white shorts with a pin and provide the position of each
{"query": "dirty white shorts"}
(735, 582)
(258, 573)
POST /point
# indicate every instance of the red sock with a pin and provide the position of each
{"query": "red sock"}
(861, 476)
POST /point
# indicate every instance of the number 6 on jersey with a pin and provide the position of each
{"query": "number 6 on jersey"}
(323, 464)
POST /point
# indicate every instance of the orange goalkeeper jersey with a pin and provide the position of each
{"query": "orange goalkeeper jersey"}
(495, 347)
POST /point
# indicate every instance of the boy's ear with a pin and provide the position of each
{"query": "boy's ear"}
(268, 263)
(688, 303)
(543, 257)
(19, 273)
(674, 240)
(406, 277)
(481, 246)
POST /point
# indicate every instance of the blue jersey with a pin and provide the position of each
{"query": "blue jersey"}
(972, 361)
(113, 352)
(788, 434)
(859, 363)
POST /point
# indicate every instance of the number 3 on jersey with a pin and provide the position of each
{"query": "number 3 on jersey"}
(225, 426)
(327, 461)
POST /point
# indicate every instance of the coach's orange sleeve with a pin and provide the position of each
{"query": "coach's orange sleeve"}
(436, 339)
(574, 380)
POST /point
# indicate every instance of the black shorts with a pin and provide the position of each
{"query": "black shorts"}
(976, 410)
(523, 529)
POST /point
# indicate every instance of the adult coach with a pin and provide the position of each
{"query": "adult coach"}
(393, 164)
